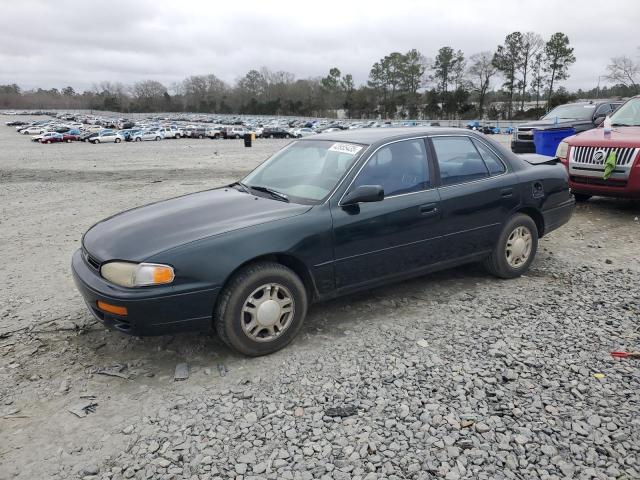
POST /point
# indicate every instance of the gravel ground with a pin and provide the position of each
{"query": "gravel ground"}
(451, 375)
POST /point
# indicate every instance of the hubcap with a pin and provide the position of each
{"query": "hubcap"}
(518, 247)
(267, 312)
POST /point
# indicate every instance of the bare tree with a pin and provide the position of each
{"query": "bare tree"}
(531, 44)
(480, 72)
(625, 71)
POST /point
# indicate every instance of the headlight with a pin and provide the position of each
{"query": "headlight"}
(562, 150)
(128, 274)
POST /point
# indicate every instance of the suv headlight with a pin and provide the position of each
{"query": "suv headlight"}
(562, 150)
(127, 274)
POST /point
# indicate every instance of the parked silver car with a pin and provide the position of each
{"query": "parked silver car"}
(108, 137)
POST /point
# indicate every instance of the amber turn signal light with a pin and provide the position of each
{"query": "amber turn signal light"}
(114, 309)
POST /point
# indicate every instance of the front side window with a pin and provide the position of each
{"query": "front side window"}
(458, 160)
(399, 167)
(306, 171)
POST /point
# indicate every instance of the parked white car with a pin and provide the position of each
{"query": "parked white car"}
(214, 132)
(171, 132)
(108, 137)
(34, 130)
(147, 135)
(303, 132)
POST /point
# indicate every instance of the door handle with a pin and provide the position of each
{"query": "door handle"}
(506, 192)
(429, 209)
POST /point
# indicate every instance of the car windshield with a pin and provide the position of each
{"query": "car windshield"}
(578, 112)
(628, 115)
(305, 171)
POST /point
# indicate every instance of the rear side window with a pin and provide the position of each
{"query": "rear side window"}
(458, 160)
(495, 166)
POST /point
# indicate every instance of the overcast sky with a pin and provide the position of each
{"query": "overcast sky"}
(54, 43)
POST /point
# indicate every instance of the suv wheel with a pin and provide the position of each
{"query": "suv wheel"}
(515, 249)
(261, 309)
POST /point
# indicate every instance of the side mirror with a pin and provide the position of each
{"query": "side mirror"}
(364, 193)
(598, 120)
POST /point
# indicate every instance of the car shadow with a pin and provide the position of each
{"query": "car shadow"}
(326, 320)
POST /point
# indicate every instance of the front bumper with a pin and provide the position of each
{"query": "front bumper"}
(151, 310)
(558, 215)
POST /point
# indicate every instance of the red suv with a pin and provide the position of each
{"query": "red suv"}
(585, 156)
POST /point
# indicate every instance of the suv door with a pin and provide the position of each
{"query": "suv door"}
(477, 194)
(378, 240)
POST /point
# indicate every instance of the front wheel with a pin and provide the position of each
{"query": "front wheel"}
(117, 140)
(177, 135)
(95, 142)
(581, 197)
(262, 309)
(515, 249)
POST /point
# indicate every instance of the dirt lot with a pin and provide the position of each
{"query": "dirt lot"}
(452, 375)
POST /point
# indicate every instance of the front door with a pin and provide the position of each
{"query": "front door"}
(378, 240)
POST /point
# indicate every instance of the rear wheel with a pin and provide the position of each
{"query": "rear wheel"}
(515, 249)
(117, 140)
(200, 136)
(271, 136)
(177, 135)
(261, 309)
(95, 142)
(581, 197)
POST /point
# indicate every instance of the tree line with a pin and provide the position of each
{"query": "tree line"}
(523, 69)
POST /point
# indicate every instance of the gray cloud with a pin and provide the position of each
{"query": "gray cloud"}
(53, 44)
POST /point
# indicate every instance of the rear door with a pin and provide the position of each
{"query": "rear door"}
(476, 192)
(379, 240)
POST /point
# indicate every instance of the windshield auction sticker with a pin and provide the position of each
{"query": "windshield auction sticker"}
(349, 148)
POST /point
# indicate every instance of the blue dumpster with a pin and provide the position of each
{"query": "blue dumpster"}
(547, 141)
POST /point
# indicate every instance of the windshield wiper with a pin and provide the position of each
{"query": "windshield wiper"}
(241, 185)
(274, 193)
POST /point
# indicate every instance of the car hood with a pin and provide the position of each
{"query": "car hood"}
(619, 137)
(548, 124)
(145, 231)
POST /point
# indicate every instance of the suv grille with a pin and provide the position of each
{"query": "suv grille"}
(598, 155)
(525, 134)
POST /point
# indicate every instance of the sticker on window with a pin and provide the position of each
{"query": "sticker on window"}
(348, 148)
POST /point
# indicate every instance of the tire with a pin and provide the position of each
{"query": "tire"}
(68, 140)
(200, 137)
(117, 140)
(498, 263)
(177, 135)
(287, 136)
(271, 136)
(252, 281)
(156, 139)
(581, 197)
(138, 139)
(95, 142)
(237, 137)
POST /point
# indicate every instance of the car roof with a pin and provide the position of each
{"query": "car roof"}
(370, 136)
